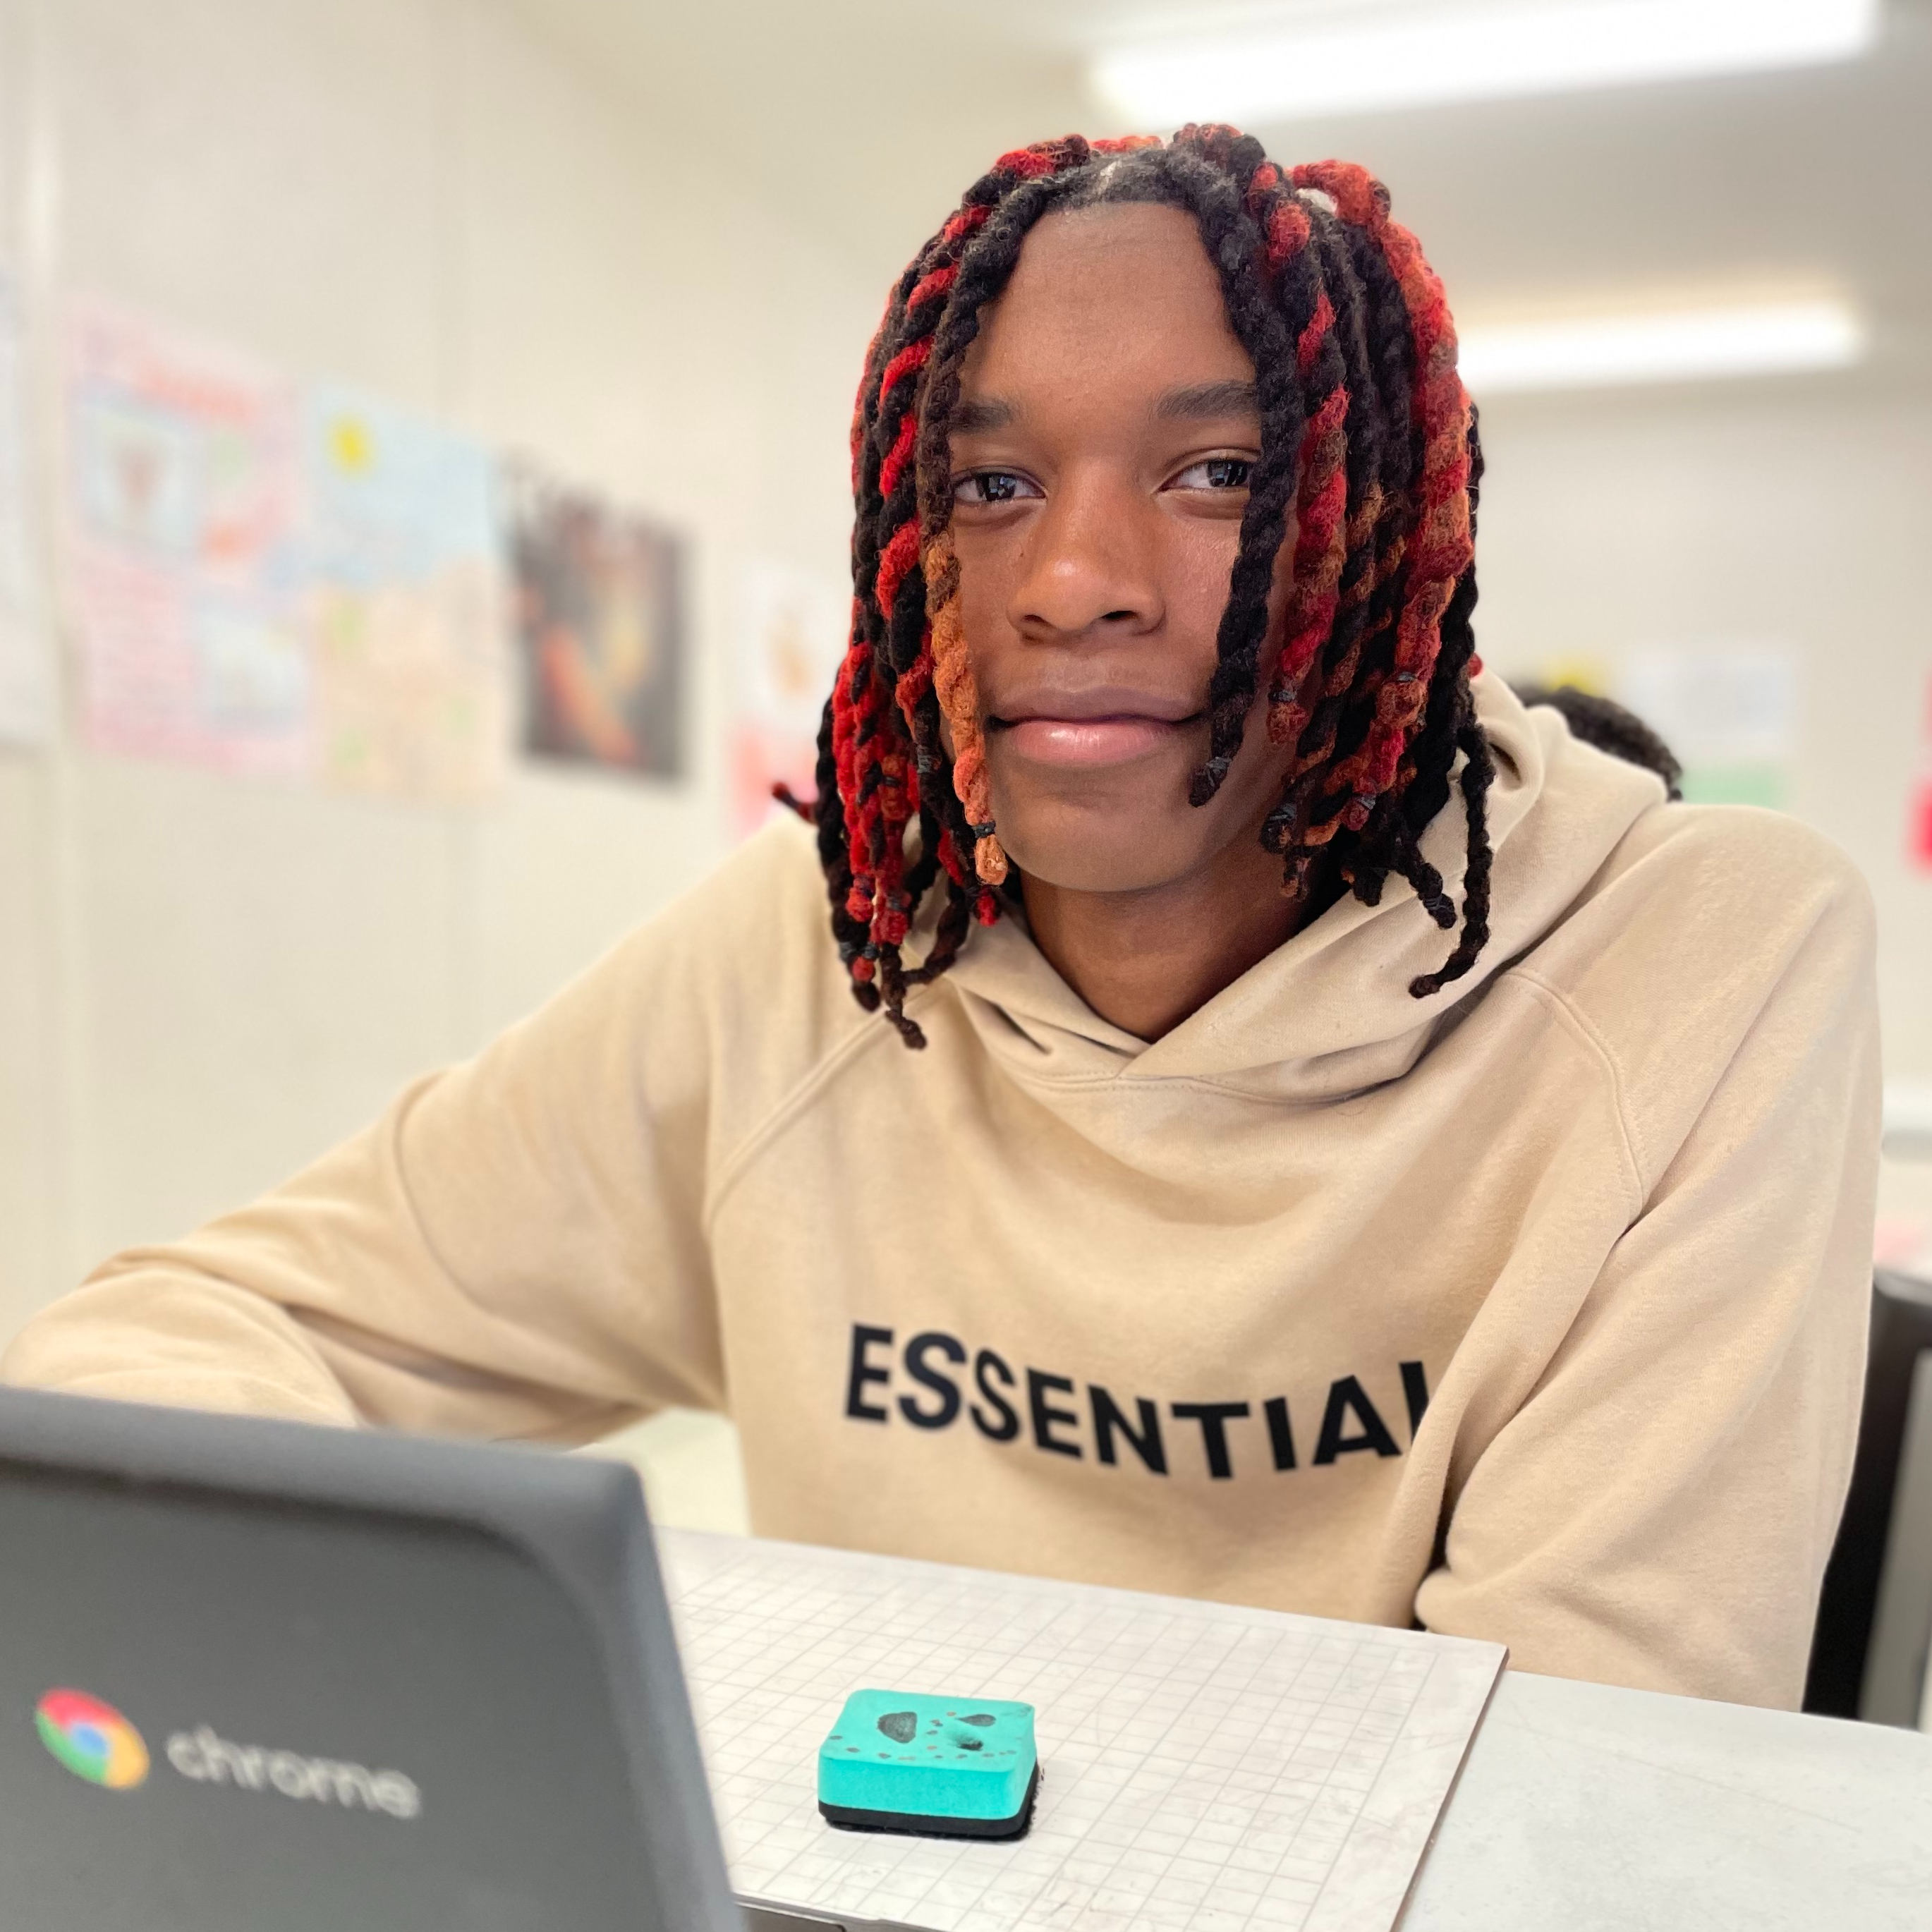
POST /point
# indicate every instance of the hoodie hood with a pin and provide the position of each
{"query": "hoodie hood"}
(1329, 1012)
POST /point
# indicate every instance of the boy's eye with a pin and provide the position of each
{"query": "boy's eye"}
(992, 486)
(1216, 472)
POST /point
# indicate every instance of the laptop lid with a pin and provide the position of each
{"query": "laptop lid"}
(263, 1677)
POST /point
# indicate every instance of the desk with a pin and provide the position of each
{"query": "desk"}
(1584, 1808)
(1596, 1809)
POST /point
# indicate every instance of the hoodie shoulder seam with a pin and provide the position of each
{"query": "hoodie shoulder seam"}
(731, 1169)
(1586, 1030)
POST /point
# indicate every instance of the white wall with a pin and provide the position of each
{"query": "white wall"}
(1789, 512)
(203, 982)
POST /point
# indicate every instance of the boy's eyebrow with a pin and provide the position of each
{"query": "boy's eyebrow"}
(982, 413)
(1200, 402)
(1196, 402)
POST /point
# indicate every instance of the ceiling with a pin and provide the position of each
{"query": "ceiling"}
(870, 116)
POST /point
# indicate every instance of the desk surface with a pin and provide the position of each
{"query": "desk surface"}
(1600, 1810)
(1204, 1767)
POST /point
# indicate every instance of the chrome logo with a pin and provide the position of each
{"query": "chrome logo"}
(92, 1739)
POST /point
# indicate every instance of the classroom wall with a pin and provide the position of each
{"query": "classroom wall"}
(204, 981)
(1790, 512)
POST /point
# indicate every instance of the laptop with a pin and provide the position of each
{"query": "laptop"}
(263, 1677)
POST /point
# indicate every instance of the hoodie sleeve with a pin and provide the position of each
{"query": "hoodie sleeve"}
(515, 1248)
(1659, 1512)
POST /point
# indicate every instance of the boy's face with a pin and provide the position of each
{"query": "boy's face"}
(1106, 428)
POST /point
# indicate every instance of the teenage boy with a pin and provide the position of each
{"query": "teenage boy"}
(1370, 1153)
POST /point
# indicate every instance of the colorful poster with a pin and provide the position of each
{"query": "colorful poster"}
(600, 621)
(403, 603)
(791, 636)
(1728, 710)
(1919, 809)
(180, 523)
(26, 660)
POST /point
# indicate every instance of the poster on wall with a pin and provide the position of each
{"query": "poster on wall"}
(26, 659)
(791, 634)
(1918, 812)
(599, 602)
(1729, 709)
(180, 523)
(403, 603)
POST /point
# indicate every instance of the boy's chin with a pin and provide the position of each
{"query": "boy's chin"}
(1113, 859)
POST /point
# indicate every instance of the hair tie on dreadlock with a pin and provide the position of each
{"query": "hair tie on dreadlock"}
(989, 857)
(1207, 780)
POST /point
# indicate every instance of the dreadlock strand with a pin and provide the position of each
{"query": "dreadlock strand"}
(833, 853)
(1339, 519)
(1441, 547)
(958, 695)
(1479, 772)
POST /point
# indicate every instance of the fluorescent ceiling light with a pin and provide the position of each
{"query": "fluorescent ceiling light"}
(1682, 345)
(1334, 60)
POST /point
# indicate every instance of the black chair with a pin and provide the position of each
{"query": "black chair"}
(1868, 1653)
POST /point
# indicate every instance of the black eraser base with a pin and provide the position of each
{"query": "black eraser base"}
(917, 1825)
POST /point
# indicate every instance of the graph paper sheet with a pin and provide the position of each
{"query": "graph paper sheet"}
(1203, 1768)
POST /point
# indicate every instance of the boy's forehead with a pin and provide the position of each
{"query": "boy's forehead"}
(1121, 297)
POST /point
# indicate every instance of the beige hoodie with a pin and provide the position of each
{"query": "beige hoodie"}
(1534, 1311)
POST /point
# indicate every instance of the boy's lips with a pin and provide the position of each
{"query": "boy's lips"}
(1106, 725)
(1087, 741)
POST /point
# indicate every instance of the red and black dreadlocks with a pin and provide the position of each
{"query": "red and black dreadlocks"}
(1366, 436)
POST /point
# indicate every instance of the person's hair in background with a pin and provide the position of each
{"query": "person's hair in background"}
(1367, 439)
(1604, 723)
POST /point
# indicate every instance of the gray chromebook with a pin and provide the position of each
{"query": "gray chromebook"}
(258, 1677)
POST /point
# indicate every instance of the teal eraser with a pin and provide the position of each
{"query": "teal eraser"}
(949, 1767)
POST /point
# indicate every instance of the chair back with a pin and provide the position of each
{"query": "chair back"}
(1869, 1650)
